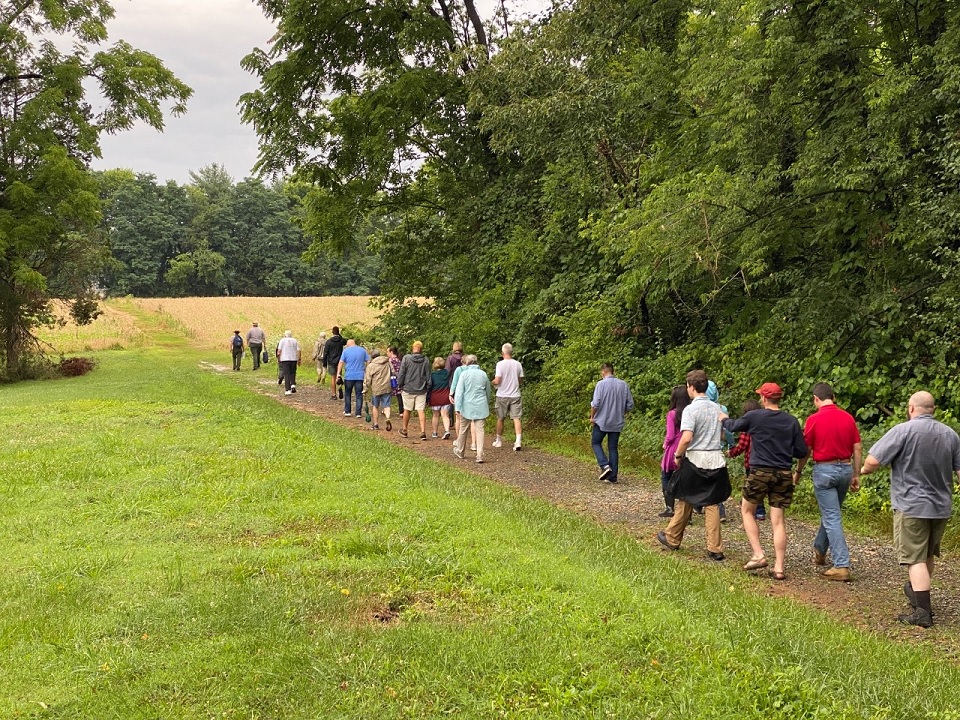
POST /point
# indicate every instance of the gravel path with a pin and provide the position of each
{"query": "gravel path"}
(871, 601)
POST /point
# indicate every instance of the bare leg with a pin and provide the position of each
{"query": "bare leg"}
(499, 427)
(422, 416)
(920, 575)
(435, 421)
(751, 528)
(446, 421)
(779, 537)
(406, 419)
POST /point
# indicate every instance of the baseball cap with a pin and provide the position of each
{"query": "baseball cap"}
(769, 390)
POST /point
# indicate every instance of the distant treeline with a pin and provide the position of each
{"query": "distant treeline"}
(216, 237)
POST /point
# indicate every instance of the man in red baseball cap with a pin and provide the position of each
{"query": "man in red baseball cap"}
(775, 441)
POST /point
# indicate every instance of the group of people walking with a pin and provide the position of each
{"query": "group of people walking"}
(455, 388)
(923, 454)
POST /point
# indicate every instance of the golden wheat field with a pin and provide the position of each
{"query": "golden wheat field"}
(210, 322)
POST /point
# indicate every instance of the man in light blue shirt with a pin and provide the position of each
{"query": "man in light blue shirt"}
(352, 366)
(611, 402)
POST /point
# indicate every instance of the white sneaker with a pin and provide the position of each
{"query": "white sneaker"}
(287, 392)
(516, 446)
(498, 443)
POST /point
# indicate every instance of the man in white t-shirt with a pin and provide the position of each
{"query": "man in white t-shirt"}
(288, 355)
(509, 373)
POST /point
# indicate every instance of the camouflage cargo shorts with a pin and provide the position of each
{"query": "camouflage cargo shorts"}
(773, 483)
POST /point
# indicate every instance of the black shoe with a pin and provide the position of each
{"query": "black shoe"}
(668, 513)
(662, 539)
(605, 472)
(919, 617)
(716, 556)
(340, 393)
(611, 480)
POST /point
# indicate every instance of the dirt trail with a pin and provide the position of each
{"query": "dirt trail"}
(871, 601)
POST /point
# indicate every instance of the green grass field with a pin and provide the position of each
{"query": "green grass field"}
(179, 547)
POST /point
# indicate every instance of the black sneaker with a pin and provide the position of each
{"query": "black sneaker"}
(605, 472)
(668, 513)
(719, 557)
(918, 617)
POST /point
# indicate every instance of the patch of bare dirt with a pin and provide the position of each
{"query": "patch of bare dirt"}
(871, 601)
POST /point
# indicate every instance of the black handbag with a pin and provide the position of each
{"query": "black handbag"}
(265, 357)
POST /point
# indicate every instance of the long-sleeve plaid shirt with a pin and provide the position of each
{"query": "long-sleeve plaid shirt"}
(742, 448)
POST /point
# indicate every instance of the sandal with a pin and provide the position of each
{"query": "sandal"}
(777, 575)
(756, 563)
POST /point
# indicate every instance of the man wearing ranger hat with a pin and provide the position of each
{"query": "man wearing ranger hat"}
(775, 441)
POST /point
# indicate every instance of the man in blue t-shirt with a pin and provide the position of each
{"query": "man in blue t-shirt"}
(352, 366)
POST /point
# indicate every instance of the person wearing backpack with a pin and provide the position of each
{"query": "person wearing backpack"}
(236, 348)
(332, 350)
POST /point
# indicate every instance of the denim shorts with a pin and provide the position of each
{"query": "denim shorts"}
(381, 401)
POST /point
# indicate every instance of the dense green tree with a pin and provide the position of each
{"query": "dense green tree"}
(214, 237)
(768, 189)
(49, 131)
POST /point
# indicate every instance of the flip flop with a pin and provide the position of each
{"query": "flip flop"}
(777, 575)
(756, 564)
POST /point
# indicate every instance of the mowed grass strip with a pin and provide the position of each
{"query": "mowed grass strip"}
(178, 547)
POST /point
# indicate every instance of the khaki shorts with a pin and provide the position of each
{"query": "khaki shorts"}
(916, 539)
(413, 402)
(509, 406)
(773, 483)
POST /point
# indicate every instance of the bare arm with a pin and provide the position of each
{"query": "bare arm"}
(870, 465)
(685, 439)
(857, 459)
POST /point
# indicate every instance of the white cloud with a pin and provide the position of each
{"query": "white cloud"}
(203, 41)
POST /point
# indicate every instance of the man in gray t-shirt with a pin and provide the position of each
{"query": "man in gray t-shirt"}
(923, 455)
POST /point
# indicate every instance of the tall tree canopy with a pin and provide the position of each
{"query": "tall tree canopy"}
(49, 132)
(769, 189)
(216, 237)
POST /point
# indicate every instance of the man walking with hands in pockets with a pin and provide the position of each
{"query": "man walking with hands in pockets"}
(612, 400)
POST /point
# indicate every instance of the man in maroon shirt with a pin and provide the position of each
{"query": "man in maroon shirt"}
(834, 440)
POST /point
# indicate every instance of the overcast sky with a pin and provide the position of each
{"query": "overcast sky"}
(202, 42)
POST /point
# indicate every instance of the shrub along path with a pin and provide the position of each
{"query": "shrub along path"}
(871, 601)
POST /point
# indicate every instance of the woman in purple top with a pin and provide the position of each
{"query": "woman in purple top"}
(678, 401)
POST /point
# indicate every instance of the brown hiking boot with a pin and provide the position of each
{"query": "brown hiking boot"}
(819, 558)
(837, 574)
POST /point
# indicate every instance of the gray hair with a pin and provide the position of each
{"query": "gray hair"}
(374, 354)
(288, 333)
(469, 360)
(507, 349)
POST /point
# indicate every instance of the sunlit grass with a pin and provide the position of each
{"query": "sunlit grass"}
(179, 547)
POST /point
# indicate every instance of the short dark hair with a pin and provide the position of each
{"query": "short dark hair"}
(697, 379)
(750, 406)
(822, 391)
(607, 366)
(336, 330)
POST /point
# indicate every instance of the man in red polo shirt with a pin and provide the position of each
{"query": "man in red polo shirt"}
(834, 440)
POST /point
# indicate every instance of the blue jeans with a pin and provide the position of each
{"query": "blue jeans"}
(613, 440)
(831, 481)
(352, 387)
